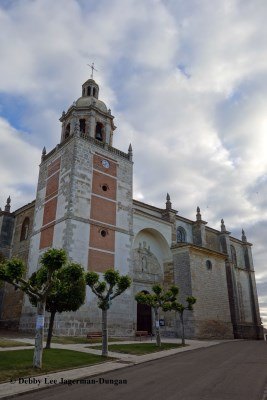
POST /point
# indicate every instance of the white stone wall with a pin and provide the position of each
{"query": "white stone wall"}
(209, 286)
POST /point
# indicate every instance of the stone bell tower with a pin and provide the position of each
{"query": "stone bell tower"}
(84, 194)
(89, 116)
(84, 205)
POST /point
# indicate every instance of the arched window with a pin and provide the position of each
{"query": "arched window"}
(94, 92)
(89, 91)
(180, 235)
(25, 229)
(99, 131)
(233, 255)
(67, 131)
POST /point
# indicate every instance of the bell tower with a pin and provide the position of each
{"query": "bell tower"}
(89, 116)
(84, 194)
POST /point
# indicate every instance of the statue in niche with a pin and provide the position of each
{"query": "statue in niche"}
(146, 265)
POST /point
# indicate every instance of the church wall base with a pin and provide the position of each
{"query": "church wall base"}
(213, 329)
(10, 324)
(254, 332)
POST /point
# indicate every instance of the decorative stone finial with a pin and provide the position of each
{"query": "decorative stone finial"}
(130, 152)
(63, 113)
(7, 206)
(244, 238)
(43, 153)
(223, 229)
(168, 202)
(198, 214)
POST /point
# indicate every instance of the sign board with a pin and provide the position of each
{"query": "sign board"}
(40, 321)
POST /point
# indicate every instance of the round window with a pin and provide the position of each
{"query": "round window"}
(103, 233)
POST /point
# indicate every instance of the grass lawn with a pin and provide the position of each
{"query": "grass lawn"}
(140, 348)
(12, 343)
(79, 339)
(18, 363)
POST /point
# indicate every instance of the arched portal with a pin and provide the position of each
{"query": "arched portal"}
(144, 317)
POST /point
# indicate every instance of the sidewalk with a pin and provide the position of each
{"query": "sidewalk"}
(121, 361)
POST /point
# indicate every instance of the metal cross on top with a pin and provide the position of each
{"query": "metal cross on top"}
(93, 69)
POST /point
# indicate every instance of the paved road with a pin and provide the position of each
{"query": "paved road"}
(229, 371)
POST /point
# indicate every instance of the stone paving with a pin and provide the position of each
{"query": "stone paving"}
(121, 361)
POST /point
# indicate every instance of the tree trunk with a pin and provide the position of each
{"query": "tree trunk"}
(182, 323)
(158, 340)
(104, 333)
(50, 330)
(39, 335)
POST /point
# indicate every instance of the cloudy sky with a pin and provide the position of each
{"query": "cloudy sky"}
(186, 81)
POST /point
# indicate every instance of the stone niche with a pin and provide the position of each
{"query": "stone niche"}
(146, 267)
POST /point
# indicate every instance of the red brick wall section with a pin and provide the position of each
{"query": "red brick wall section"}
(102, 238)
(112, 170)
(104, 185)
(50, 209)
(103, 210)
(53, 167)
(46, 239)
(99, 261)
(52, 185)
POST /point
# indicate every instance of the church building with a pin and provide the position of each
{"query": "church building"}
(84, 204)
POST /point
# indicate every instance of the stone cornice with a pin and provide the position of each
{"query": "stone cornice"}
(200, 249)
(154, 217)
(84, 108)
(25, 207)
(233, 239)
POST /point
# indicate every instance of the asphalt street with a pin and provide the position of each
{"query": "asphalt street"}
(235, 370)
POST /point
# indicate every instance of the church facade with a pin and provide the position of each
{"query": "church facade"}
(84, 204)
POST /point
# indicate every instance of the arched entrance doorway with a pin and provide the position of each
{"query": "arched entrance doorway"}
(144, 317)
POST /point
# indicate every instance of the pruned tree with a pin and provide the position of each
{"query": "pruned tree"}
(180, 308)
(67, 293)
(13, 271)
(2, 257)
(159, 299)
(113, 285)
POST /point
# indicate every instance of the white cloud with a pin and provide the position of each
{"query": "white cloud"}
(18, 165)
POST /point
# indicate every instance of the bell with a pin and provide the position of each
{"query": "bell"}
(98, 136)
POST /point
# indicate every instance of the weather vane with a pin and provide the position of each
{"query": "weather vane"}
(93, 69)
